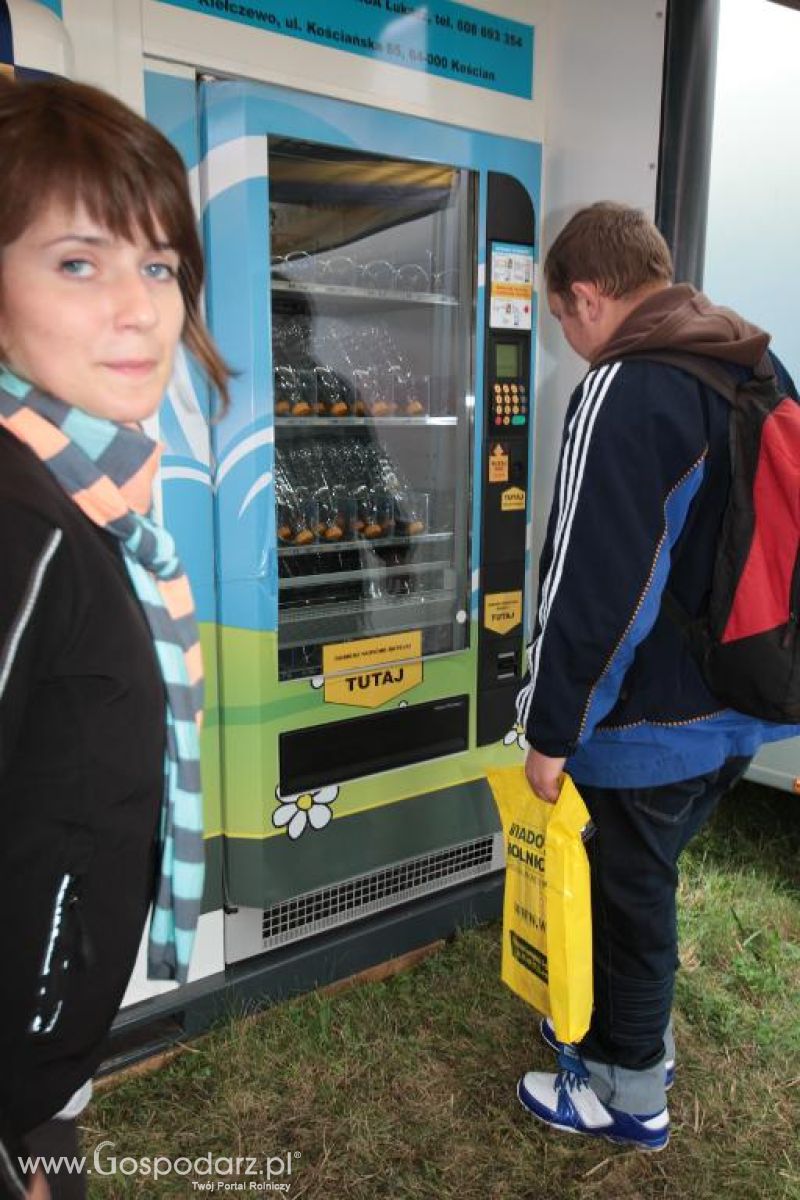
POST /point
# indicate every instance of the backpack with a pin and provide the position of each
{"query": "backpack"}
(747, 641)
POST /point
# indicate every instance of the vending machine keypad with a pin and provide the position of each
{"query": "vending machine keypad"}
(509, 404)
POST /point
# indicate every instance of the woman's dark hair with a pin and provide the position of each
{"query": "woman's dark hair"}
(73, 143)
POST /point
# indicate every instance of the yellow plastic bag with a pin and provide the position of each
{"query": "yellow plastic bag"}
(547, 916)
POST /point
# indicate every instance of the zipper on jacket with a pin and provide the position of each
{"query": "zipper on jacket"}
(67, 941)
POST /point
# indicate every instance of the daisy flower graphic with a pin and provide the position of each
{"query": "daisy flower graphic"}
(304, 809)
(516, 736)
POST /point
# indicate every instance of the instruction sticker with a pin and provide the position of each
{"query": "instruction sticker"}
(378, 669)
(502, 611)
(511, 286)
(498, 464)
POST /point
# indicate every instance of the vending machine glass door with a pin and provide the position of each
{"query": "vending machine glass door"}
(372, 306)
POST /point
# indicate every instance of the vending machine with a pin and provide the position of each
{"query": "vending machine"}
(372, 281)
(358, 519)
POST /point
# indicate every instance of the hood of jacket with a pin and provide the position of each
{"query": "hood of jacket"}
(679, 317)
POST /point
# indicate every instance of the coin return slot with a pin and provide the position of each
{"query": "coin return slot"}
(507, 664)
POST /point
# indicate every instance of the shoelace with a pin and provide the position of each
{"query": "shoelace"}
(571, 1074)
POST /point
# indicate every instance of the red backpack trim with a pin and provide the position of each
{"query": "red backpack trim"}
(763, 596)
(748, 642)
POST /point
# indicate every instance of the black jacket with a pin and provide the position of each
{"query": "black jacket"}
(81, 781)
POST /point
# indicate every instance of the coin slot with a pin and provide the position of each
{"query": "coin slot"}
(507, 664)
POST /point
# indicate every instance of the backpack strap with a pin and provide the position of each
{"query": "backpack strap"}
(711, 371)
(716, 375)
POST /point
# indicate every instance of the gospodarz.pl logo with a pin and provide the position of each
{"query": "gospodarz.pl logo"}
(209, 1173)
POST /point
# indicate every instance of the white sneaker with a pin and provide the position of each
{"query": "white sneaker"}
(565, 1101)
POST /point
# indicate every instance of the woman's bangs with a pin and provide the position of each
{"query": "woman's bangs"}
(125, 203)
(125, 206)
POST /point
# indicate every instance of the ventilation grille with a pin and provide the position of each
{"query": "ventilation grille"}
(367, 894)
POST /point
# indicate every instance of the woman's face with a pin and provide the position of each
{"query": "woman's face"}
(88, 317)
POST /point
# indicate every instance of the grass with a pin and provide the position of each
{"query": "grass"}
(405, 1089)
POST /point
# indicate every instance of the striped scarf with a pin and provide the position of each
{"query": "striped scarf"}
(108, 470)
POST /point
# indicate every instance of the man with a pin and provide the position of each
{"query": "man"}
(613, 691)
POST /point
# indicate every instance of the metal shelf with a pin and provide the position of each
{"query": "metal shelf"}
(296, 582)
(352, 422)
(363, 296)
(363, 544)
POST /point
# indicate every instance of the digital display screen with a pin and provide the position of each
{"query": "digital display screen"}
(507, 360)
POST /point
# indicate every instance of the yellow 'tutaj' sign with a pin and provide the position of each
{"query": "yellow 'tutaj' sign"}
(513, 500)
(382, 669)
(502, 611)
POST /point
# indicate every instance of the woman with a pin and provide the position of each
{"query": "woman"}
(100, 671)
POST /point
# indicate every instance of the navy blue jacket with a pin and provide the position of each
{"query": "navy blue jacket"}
(642, 484)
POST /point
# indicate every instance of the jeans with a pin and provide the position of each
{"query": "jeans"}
(633, 855)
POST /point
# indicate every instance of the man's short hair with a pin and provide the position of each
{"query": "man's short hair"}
(614, 246)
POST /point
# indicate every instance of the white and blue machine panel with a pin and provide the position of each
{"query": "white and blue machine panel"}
(187, 473)
(235, 120)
